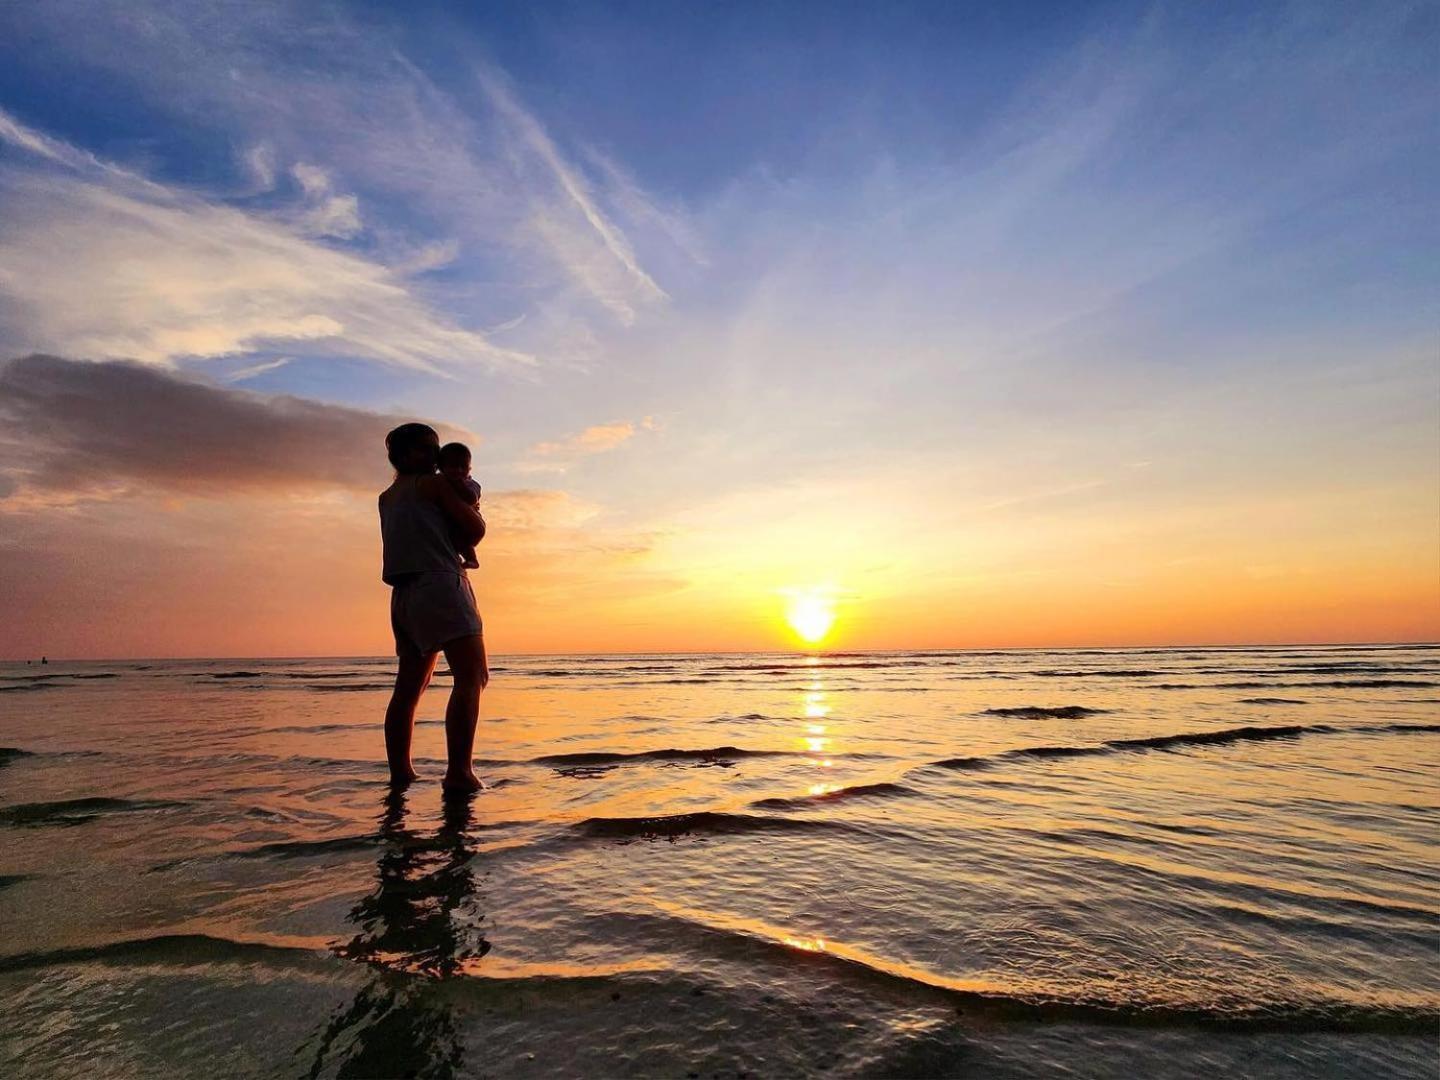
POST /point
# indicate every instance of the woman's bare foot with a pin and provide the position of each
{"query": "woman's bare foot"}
(462, 783)
(402, 777)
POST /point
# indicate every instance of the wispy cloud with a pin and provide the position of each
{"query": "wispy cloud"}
(97, 262)
(327, 213)
(543, 223)
(558, 455)
(41, 145)
(554, 220)
(251, 371)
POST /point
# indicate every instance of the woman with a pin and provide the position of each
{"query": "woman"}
(432, 608)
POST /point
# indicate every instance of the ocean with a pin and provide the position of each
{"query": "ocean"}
(1098, 863)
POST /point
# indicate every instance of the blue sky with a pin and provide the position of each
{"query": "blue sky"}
(677, 264)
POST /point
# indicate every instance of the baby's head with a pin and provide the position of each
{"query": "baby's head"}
(455, 460)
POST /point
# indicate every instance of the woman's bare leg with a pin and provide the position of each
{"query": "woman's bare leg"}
(466, 657)
(411, 680)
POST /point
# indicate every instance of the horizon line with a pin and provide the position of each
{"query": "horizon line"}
(817, 653)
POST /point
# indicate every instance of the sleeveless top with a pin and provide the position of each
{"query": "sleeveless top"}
(414, 533)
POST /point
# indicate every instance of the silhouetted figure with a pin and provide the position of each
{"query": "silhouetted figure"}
(455, 467)
(417, 928)
(432, 608)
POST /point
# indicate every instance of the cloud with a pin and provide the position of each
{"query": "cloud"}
(432, 257)
(593, 440)
(591, 252)
(259, 162)
(75, 430)
(537, 511)
(96, 261)
(557, 456)
(42, 145)
(253, 370)
(326, 213)
(200, 519)
(545, 222)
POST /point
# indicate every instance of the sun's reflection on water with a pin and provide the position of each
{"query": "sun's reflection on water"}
(815, 705)
(808, 944)
(817, 743)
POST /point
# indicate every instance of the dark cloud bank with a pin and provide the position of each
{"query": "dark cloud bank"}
(69, 425)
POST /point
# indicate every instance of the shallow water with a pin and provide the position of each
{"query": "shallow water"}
(1085, 863)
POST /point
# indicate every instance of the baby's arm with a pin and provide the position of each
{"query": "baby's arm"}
(467, 489)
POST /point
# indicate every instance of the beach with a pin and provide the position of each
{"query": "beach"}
(1144, 862)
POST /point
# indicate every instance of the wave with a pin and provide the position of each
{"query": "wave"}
(1223, 737)
(30, 686)
(10, 754)
(1220, 738)
(1349, 668)
(781, 668)
(1055, 751)
(300, 849)
(976, 1003)
(1040, 712)
(76, 811)
(332, 688)
(858, 791)
(601, 757)
(584, 772)
(180, 949)
(588, 672)
(322, 729)
(708, 822)
(784, 666)
(316, 686)
(1327, 684)
(1100, 673)
(279, 849)
(50, 677)
(1271, 701)
(986, 1002)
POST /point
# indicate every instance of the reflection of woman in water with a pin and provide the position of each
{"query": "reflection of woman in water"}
(417, 927)
(432, 608)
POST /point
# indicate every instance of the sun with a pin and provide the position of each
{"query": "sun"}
(810, 613)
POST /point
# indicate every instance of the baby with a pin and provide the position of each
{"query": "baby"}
(455, 467)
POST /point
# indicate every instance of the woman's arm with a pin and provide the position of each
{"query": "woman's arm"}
(438, 490)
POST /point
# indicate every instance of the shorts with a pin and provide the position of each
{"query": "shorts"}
(432, 609)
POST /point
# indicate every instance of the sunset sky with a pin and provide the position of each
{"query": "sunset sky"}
(981, 325)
